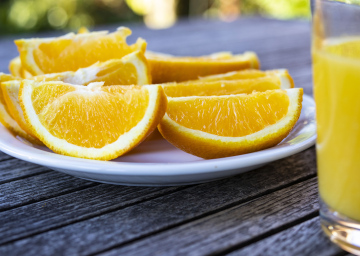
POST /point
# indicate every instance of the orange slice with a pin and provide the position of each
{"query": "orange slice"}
(15, 67)
(131, 69)
(73, 51)
(210, 86)
(165, 68)
(94, 121)
(6, 118)
(251, 74)
(222, 126)
(17, 70)
(10, 92)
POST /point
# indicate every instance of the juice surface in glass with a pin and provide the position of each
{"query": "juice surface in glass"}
(336, 70)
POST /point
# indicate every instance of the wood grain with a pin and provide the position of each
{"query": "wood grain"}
(69, 208)
(4, 156)
(38, 187)
(142, 219)
(12, 169)
(219, 232)
(306, 238)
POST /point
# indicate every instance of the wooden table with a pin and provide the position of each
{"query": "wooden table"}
(269, 211)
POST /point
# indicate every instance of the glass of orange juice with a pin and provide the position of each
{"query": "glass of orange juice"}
(336, 74)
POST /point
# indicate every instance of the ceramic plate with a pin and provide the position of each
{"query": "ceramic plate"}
(157, 163)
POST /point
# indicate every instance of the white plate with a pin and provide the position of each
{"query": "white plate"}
(158, 163)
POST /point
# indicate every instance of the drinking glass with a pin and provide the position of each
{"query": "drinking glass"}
(336, 74)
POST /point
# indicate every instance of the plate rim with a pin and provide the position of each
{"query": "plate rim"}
(8, 144)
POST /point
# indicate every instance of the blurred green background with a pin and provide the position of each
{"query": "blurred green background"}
(18, 16)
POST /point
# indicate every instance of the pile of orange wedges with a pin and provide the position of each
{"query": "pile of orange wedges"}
(92, 95)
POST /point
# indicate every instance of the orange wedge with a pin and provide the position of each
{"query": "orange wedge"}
(73, 51)
(131, 69)
(6, 118)
(210, 86)
(94, 121)
(250, 74)
(166, 68)
(17, 70)
(10, 92)
(15, 67)
(222, 126)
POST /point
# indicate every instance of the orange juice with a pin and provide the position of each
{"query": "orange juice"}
(336, 69)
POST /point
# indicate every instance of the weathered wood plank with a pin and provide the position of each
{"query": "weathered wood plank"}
(4, 156)
(237, 45)
(218, 232)
(12, 169)
(62, 210)
(198, 44)
(39, 187)
(306, 238)
(245, 29)
(142, 219)
(241, 39)
(6, 54)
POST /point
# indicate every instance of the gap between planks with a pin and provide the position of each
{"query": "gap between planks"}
(238, 203)
(265, 235)
(217, 232)
(46, 198)
(306, 238)
(26, 175)
(163, 190)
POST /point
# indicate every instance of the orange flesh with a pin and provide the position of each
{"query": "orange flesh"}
(2, 101)
(230, 116)
(16, 68)
(5, 78)
(205, 88)
(91, 118)
(52, 93)
(71, 54)
(111, 73)
(121, 73)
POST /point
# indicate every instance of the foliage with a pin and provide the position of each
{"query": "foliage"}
(18, 16)
(282, 9)
(34, 15)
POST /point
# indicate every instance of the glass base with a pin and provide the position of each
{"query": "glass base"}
(341, 230)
